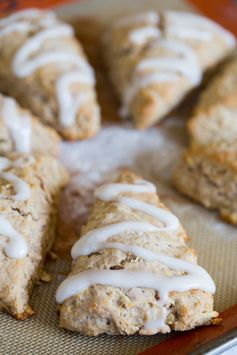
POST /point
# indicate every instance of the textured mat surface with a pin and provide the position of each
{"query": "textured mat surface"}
(152, 154)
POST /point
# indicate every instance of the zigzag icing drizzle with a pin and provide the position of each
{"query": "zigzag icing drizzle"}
(181, 59)
(13, 243)
(27, 59)
(18, 124)
(193, 277)
(21, 188)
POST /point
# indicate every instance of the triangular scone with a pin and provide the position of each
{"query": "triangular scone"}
(155, 59)
(208, 174)
(21, 131)
(215, 117)
(30, 190)
(132, 270)
(44, 67)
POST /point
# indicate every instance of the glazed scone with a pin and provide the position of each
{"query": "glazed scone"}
(132, 270)
(44, 67)
(155, 59)
(21, 131)
(29, 193)
(208, 174)
(215, 117)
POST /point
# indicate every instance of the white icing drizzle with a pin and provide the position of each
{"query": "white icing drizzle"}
(150, 17)
(169, 68)
(17, 21)
(141, 35)
(193, 276)
(111, 191)
(18, 124)
(138, 84)
(27, 59)
(24, 65)
(190, 33)
(15, 246)
(182, 61)
(148, 26)
(4, 163)
(15, 27)
(68, 104)
(21, 188)
(188, 25)
(28, 13)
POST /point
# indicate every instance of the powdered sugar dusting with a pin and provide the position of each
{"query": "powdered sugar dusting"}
(152, 153)
(122, 146)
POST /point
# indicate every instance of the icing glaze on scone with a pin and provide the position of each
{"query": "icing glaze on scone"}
(21, 188)
(193, 276)
(20, 131)
(69, 106)
(27, 225)
(155, 59)
(15, 246)
(179, 60)
(142, 34)
(191, 26)
(19, 125)
(208, 174)
(28, 59)
(151, 17)
(17, 22)
(214, 117)
(31, 14)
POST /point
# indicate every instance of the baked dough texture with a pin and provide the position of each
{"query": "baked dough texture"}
(214, 119)
(208, 174)
(114, 310)
(37, 50)
(35, 219)
(43, 139)
(155, 59)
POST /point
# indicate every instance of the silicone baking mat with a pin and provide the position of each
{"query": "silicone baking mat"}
(153, 154)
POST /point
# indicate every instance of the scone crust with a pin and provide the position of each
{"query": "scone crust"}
(35, 219)
(113, 310)
(43, 139)
(122, 56)
(208, 174)
(37, 91)
(214, 117)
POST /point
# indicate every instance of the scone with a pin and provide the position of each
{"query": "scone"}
(215, 117)
(44, 67)
(22, 132)
(155, 59)
(29, 193)
(132, 270)
(208, 174)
